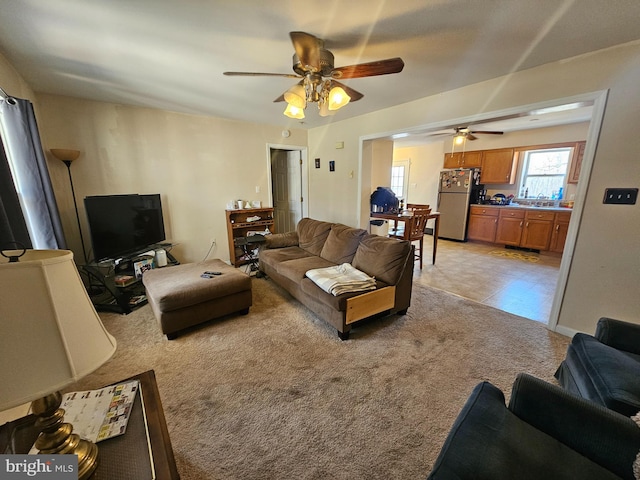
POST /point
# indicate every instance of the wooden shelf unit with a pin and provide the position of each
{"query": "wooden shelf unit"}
(238, 226)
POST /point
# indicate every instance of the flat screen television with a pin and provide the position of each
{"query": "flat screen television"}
(123, 224)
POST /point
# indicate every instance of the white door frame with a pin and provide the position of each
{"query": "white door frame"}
(304, 173)
(599, 99)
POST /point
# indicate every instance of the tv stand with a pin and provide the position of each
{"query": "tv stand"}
(106, 295)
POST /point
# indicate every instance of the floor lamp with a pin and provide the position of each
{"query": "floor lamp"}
(68, 156)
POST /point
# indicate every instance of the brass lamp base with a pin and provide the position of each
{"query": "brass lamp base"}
(57, 437)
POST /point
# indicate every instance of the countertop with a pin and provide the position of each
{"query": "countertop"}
(524, 207)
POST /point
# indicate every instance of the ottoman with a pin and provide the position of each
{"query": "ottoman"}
(181, 298)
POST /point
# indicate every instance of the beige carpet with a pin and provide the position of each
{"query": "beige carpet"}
(276, 395)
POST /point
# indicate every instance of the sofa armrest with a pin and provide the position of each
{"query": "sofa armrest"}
(281, 240)
(619, 335)
(605, 437)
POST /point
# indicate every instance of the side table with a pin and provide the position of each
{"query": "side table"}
(144, 452)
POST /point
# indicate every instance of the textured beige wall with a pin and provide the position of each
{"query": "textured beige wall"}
(196, 163)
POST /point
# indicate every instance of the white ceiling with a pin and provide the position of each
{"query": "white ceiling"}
(170, 54)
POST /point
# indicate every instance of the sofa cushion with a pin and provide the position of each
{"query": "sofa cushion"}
(296, 269)
(382, 258)
(277, 255)
(312, 234)
(281, 240)
(342, 243)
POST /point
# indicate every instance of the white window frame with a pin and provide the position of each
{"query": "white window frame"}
(525, 166)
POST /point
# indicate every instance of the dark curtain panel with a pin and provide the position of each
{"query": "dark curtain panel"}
(30, 174)
(12, 225)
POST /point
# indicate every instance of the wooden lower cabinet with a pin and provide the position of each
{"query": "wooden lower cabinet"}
(519, 227)
(510, 223)
(537, 230)
(559, 234)
(483, 222)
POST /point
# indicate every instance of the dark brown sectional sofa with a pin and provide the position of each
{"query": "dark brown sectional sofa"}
(286, 257)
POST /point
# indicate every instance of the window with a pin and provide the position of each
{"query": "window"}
(400, 178)
(544, 172)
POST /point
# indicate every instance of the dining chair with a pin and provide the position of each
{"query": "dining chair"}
(414, 231)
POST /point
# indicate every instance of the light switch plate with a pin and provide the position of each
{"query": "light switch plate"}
(621, 196)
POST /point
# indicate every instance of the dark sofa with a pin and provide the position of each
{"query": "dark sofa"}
(286, 257)
(544, 433)
(605, 368)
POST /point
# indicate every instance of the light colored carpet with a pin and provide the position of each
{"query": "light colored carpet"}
(276, 395)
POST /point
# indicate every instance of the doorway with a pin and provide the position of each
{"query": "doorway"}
(596, 99)
(288, 186)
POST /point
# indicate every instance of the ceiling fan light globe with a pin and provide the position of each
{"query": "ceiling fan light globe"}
(296, 96)
(324, 111)
(459, 139)
(338, 98)
(294, 112)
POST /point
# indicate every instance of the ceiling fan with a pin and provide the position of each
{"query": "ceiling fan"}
(462, 134)
(313, 65)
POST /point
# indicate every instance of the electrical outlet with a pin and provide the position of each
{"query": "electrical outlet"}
(257, 188)
(620, 196)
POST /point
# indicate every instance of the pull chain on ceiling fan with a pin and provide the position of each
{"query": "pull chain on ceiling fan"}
(314, 65)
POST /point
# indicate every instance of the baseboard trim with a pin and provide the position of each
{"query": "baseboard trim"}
(567, 332)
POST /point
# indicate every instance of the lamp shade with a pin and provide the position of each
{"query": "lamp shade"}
(293, 112)
(338, 98)
(296, 96)
(65, 154)
(50, 333)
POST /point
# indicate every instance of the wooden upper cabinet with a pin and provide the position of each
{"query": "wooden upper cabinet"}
(463, 159)
(576, 162)
(498, 166)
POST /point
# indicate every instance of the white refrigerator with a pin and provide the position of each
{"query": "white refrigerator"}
(457, 189)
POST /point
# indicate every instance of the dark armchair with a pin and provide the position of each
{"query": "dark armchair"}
(605, 367)
(545, 432)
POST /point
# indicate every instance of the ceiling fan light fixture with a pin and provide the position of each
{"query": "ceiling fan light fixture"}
(338, 98)
(294, 112)
(296, 96)
(324, 109)
(459, 138)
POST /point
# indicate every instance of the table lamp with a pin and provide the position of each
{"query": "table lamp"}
(50, 337)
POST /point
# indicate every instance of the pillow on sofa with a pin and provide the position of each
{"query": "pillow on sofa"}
(342, 243)
(281, 240)
(382, 258)
(312, 234)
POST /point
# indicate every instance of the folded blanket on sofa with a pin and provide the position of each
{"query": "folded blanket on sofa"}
(341, 279)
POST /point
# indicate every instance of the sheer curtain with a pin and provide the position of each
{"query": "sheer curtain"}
(30, 177)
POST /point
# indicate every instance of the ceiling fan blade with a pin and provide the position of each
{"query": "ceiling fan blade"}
(307, 49)
(260, 74)
(471, 136)
(371, 69)
(487, 132)
(354, 94)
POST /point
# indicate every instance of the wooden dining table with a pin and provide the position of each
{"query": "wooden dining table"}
(406, 217)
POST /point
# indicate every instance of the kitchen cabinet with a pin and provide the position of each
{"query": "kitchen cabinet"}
(463, 159)
(560, 229)
(538, 227)
(510, 222)
(524, 227)
(483, 223)
(576, 162)
(498, 166)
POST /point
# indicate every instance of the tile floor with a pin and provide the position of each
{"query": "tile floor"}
(515, 285)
